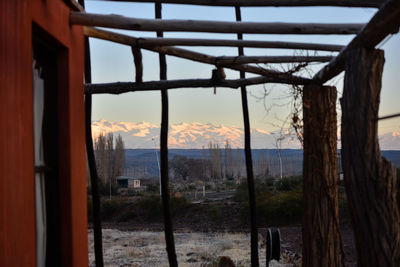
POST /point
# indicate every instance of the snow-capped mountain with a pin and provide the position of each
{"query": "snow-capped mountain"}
(390, 141)
(196, 135)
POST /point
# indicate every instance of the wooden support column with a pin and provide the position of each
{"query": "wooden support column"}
(94, 177)
(168, 227)
(137, 59)
(320, 229)
(249, 161)
(370, 179)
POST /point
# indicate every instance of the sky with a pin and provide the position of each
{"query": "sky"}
(113, 62)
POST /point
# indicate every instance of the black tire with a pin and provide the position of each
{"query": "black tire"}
(276, 245)
(268, 246)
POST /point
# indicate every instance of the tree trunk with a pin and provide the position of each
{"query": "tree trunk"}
(321, 236)
(370, 179)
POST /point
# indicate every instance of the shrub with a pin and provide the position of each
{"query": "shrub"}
(280, 208)
(150, 207)
(215, 213)
(153, 188)
(179, 205)
(104, 188)
(273, 206)
(260, 187)
(289, 183)
(110, 207)
(126, 215)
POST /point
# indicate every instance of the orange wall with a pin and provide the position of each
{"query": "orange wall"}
(17, 214)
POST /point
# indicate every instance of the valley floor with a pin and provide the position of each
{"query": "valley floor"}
(123, 247)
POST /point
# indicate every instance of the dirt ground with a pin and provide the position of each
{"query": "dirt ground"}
(198, 221)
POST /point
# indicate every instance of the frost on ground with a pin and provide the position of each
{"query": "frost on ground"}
(193, 249)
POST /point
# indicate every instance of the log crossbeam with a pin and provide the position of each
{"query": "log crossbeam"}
(137, 24)
(195, 56)
(125, 87)
(270, 59)
(386, 21)
(268, 3)
(148, 42)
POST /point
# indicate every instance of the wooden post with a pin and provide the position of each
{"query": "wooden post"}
(321, 238)
(137, 59)
(168, 227)
(249, 161)
(94, 177)
(370, 179)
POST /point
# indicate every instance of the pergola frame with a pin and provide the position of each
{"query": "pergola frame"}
(386, 21)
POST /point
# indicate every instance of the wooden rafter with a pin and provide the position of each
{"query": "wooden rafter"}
(190, 55)
(136, 24)
(148, 41)
(272, 3)
(125, 87)
(386, 21)
(270, 59)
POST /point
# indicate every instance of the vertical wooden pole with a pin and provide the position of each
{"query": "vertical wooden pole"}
(249, 161)
(320, 228)
(169, 234)
(137, 59)
(370, 179)
(97, 234)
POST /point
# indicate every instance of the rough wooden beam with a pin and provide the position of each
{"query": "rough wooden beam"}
(146, 42)
(125, 87)
(389, 116)
(272, 3)
(371, 183)
(271, 59)
(136, 24)
(190, 55)
(386, 21)
(320, 227)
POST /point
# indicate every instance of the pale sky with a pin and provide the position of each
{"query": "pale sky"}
(112, 62)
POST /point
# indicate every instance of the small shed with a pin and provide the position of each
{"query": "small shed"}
(128, 182)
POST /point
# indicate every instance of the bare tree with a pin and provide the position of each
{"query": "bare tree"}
(278, 145)
(228, 161)
(119, 159)
(262, 165)
(100, 154)
(110, 156)
(109, 160)
(206, 164)
(216, 160)
(239, 163)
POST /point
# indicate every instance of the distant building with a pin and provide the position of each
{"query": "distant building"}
(128, 182)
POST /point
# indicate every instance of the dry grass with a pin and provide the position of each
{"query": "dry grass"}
(193, 249)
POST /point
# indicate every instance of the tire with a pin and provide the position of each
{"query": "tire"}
(276, 245)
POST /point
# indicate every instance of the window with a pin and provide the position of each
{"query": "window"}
(45, 119)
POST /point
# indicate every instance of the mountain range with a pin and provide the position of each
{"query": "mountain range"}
(197, 135)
